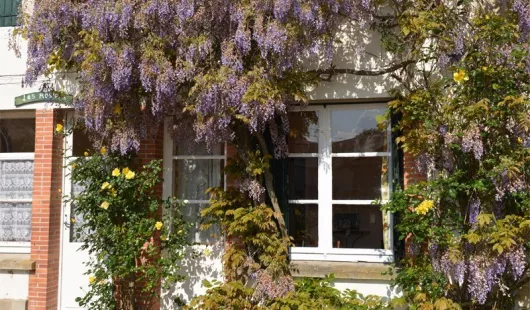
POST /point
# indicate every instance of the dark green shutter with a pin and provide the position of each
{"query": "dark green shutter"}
(9, 12)
(397, 180)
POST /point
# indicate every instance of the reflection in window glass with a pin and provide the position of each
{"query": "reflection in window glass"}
(303, 132)
(355, 131)
(303, 178)
(17, 135)
(194, 177)
(303, 224)
(358, 227)
(359, 178)
(192, 214)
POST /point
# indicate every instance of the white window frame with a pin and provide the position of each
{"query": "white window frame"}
(169, 172)
(17, 247)
(325, 250)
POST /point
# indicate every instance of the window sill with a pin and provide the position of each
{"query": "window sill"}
(342, 270)
(21, 262)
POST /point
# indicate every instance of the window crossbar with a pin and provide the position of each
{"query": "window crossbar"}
(199, 157)
(365, 154)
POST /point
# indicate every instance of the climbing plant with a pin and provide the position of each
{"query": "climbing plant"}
(133, 248)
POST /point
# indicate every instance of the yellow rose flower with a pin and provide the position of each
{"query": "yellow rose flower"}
(59, 128)
(86, 154)
(460, 76)
(117, 109)
(103, 151)
(116, 172)
(106, 185)
(159, 225)
(520, 140)
(163, 238)
(104, 205)
(424, 207)
(91, 279)
(125, 170)
(129, 175)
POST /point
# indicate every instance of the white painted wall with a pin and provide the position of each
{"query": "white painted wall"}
(14, 284)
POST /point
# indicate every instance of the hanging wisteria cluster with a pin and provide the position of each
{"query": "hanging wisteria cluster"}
(209, 64)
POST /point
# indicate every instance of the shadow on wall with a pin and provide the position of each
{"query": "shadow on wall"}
(358, 49)
(200, 263)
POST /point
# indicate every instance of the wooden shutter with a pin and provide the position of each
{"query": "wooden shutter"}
(9, 12)
(397, 180)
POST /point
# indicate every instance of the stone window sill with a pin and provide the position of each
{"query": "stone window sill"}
(342, 270)
(21, 262)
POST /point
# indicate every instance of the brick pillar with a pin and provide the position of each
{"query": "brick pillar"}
(411, 175)
(46, 212)
(150, 149)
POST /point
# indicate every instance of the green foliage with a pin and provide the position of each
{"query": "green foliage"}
(309, 293)
(123, 230)
(469, 124)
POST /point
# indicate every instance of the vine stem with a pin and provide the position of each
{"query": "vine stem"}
(270, 189)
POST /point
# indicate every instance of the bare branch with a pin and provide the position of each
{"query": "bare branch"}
(332, 71)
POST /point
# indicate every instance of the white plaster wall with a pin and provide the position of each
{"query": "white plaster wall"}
(201, 263)
(370, 57)
(14, 285)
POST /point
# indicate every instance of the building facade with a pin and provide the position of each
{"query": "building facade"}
(335, 169)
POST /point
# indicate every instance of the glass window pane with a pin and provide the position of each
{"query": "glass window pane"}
(188, 148)
(356, 131)
(15, 221)
(357, 227)
(16, 179)
(359, 178)
(303, 178)
(192, 214)
(77, 231)
(303, 132)
(81, 143)
(17, 135)
(303, 224)
(194, 177)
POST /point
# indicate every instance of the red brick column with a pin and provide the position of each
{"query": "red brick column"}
(46, 212)
(411, 175)
(150, 149)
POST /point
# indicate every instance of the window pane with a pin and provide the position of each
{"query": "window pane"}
(359, 178)
(356, 131)
(77, 231)
(359, 227)
(303, 132)
(192, 214)
(194, 177)
(303, 178)
(15, 221)
(16, 179)
(187, 148)
(303, 224)
(17, 135)
(81, 143)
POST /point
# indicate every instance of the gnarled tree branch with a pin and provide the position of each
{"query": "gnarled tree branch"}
(332, 71)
